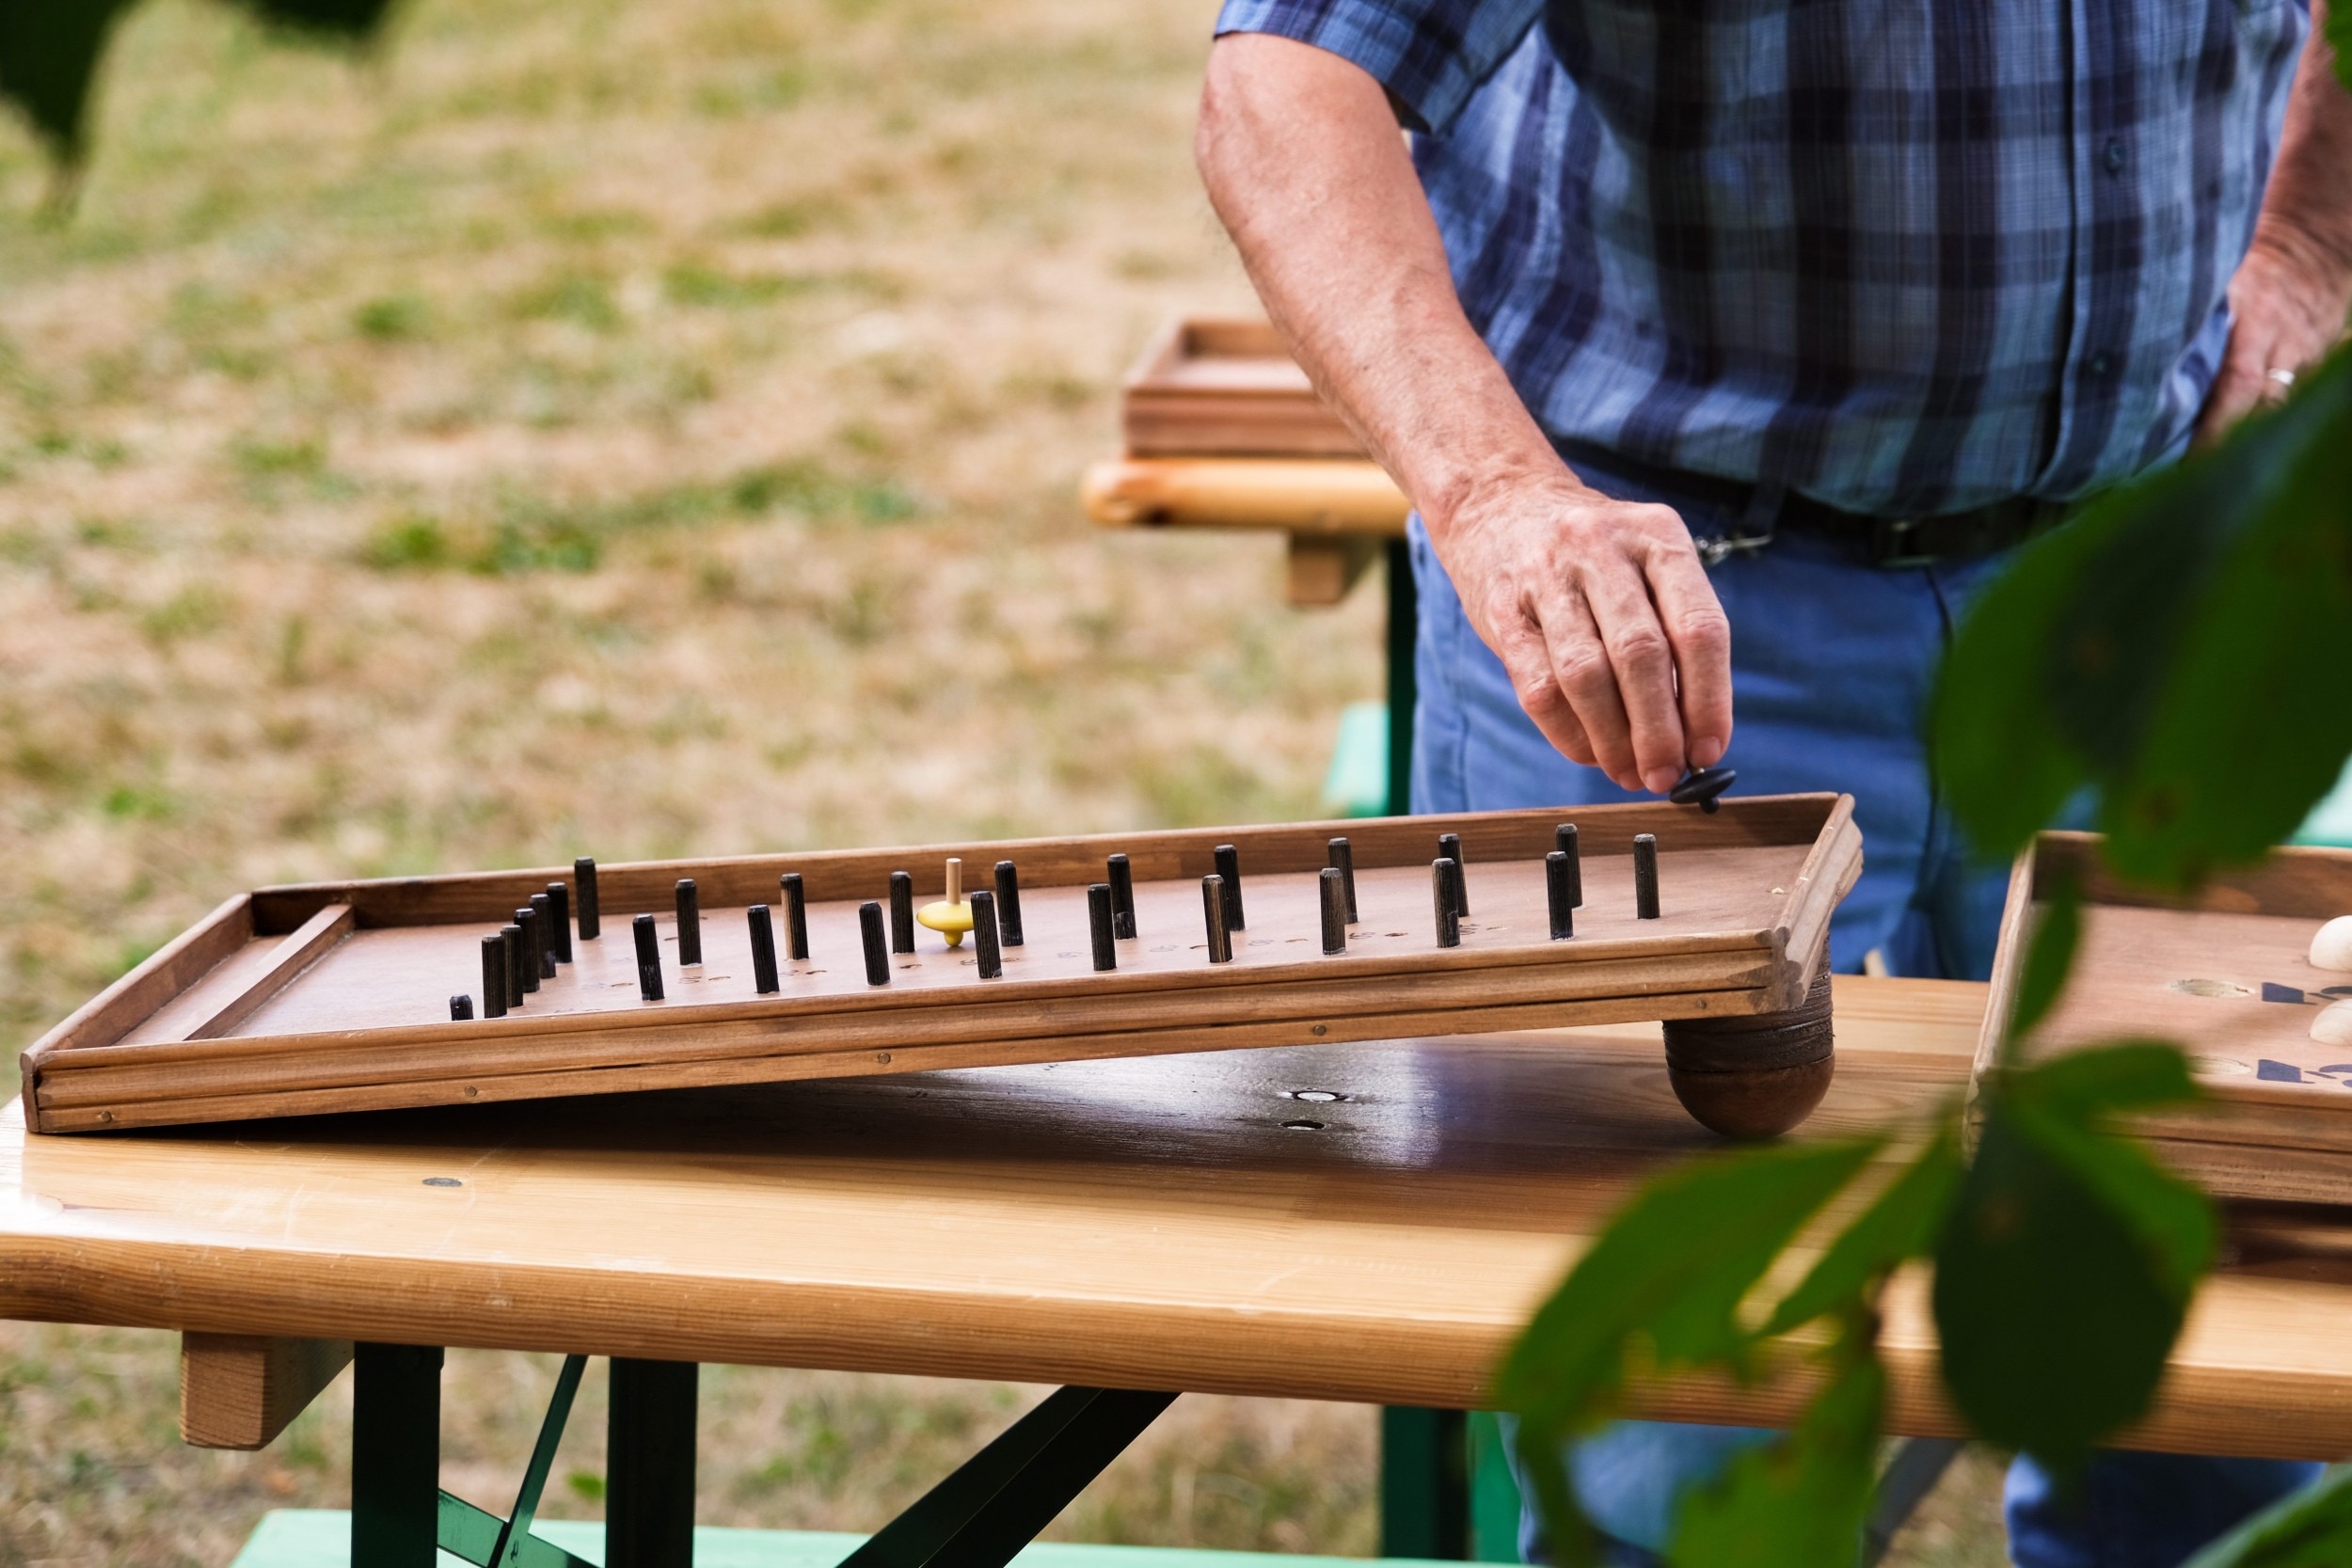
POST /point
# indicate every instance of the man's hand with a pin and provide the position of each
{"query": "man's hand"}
(1599, 611)
(2288, 301)
(2287, 308)
(1602, 614)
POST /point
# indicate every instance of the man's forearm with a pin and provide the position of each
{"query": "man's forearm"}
(1598, 609)
(2307, 211)
(1302, 159)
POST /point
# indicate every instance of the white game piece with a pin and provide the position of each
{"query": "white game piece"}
(2332, 947)
(2333, 1027)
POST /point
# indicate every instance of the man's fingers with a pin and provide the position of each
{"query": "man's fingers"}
(1701, 634)
(1643, 661)
(1581, 668)
(1528, 661)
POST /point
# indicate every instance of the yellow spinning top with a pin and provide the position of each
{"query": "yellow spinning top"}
(952, 915)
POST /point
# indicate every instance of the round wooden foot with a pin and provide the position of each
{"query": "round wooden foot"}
(1753, 1077)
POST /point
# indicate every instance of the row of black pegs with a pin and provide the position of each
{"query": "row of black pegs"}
(519, 955)
(516, 957)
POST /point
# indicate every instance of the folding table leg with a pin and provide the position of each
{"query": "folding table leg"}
(1404, 632)
(395, 1455)
(1424, 1482)
(649, 1465)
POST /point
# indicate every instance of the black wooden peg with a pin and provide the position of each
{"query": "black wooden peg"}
(584, 877)
(763, 933)
(543, 909)
(795, 913)
(528, 948)
(1560, 893)
(1646, 876)
(649, 957)
(902, 911)
(560, 900)
(1229, 868)
(1342, 860)
(690, 922)
(1564, 842)
(1099, 922)
(494, 976)
(460, 1007)
(1441, 871)
(511, 949)
(1213, 910)
(1450, 848)
(984, 946)
(869, 925)
(1123, 877)
(1008, 904)
(1333, 886)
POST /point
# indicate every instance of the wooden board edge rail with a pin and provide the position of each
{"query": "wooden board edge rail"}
(241, 1390)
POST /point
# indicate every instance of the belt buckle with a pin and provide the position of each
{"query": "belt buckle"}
(1890, 540)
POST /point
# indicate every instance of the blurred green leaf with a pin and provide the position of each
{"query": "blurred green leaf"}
(1901, 1223)
(50, 52)
(1669, 1272)
(2181, 646)
(1800, 1501)
(2066, 1268)
(2310, 1529)
(2050, 953)
(48, 55)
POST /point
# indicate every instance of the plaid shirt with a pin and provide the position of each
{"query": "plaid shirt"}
(1906, 257)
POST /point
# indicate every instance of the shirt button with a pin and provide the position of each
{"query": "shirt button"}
(2113, 157)
(2099, 364)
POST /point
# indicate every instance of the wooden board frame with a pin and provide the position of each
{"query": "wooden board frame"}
(2277, 1139)
(1227, 385)
(91, 1074)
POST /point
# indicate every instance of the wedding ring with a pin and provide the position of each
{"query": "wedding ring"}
(2284, 378)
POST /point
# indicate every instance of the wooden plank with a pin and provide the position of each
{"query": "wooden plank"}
(1318, 571)
(295, 953)
(1315, 497)
(975, 1224)
(240, 1390)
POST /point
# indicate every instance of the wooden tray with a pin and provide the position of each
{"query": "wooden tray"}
(335, 996)
(1211, 387)
(2279, 1121)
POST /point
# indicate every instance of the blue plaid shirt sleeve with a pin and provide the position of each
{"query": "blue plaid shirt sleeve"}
(1431, 54)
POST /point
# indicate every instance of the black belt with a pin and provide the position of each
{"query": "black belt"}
(1758, 514)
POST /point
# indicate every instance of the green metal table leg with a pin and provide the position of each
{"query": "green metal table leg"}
(1404, 629)
(649, 1465)
(1425, 1483)
(395, 1455)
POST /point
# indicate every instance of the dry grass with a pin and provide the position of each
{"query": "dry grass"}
(625, 428)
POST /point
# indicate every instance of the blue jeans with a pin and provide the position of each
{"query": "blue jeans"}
(1833, 661)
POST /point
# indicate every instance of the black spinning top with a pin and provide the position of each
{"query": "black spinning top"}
(1700, 786)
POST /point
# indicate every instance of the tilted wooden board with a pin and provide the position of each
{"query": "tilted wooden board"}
(2278, 1119)
(335, 997)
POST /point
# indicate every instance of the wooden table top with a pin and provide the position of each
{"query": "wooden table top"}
(1212, 1223)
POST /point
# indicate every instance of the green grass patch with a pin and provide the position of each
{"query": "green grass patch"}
(394, 319)
(529, 535)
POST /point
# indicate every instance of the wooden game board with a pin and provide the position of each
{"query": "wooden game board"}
(1206, 385)
(2279, 1121)
(335, 996)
